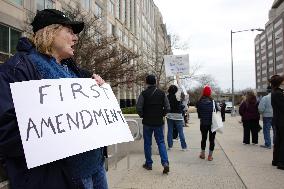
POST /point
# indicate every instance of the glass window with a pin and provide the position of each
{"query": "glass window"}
(4, 39)
(86, 4)
(8, 42)
(15, 35)
(44, 4)
(109, 28)
(40, 5)
(98, 11)
(111, 7)
(49, 4)
(18, 2)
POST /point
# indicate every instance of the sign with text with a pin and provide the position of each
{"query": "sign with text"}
(176, 64)
(58, 118)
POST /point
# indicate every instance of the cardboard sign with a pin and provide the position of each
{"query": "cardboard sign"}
(176, 65)
(58, 118)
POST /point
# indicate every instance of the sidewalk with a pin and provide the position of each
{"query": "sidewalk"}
(234, 165)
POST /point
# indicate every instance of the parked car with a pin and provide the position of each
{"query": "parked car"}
(229, 107)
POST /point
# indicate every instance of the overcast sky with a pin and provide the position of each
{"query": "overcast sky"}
(206, 25)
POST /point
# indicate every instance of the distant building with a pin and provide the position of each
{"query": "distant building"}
(269, 49)
(137, 23)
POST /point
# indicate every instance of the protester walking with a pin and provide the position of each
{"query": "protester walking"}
(46, 55)
(265, 109)
(250, 118)
(152, 106)
(277, 102)
(223, 110)
(184, 102)
(204, 110)
(175, 118)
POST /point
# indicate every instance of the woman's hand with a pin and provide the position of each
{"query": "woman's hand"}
(98, 79)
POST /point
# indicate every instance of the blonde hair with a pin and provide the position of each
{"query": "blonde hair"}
(44, 38)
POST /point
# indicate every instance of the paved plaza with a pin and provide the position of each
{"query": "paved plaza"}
(234, 166)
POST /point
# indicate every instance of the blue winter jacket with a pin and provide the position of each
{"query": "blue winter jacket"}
(265, 107)
(204, 110)
(53, 175)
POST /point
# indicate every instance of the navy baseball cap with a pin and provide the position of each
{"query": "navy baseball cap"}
(48, 17)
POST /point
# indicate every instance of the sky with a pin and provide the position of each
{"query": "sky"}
(206, 24)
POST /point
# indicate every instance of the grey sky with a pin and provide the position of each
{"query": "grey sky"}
(206, 25)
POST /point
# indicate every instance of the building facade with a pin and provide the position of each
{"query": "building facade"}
(138, 24)
(269, 47)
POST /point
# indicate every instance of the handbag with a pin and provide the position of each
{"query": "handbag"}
(217, 123)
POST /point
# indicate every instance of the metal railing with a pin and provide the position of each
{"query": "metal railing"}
(136, 135)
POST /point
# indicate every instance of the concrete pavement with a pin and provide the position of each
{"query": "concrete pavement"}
(234, 166)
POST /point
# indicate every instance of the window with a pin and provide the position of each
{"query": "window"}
(119, 34)
(117, 9)
(98, 38)
(17, 2)
(8, 41)
(98, 11)
(44, 4)
(111, 7)
(86, 4)
(122, 10)
(110, 29)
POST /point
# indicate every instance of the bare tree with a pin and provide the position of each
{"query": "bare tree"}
(196, 92)
(102, 53)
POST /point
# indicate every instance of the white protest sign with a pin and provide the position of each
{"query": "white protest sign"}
(58, 118)
(176, 64)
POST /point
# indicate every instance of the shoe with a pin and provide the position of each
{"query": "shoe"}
(184, 149)
(147, 167)
(202, 156)
(280, 166)
(274, 163)
(210, 158)
(170, 148)
(166, 169)
(254, 143)
(263, 146)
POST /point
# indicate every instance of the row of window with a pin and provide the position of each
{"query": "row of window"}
(8, 41)
(40, 4)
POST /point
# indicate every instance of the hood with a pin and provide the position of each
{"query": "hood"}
(205, 100)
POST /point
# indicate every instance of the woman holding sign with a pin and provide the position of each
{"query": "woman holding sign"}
(46, 55)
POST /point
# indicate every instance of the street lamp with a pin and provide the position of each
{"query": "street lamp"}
(233, 113)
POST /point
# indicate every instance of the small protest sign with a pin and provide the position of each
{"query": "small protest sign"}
(58, 118)
(176, 65)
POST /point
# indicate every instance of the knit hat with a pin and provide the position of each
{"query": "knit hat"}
(207, 91)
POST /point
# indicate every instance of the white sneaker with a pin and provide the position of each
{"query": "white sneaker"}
(170, 149)
(184, 150)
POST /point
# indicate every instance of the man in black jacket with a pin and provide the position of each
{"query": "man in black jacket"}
(277, 102)
(152, 106)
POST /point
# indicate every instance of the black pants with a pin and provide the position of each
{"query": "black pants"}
(278, 150)
(204, 132)
(250, 126)
(223, 115)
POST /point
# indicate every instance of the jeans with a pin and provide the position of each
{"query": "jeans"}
(96, 181)
(179, 125)
(267, 124)
(159, 137)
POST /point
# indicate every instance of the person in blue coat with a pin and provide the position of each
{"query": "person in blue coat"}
(46, 55)
(204, 110)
